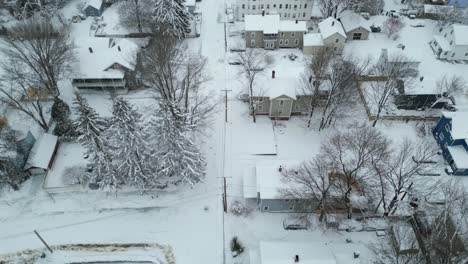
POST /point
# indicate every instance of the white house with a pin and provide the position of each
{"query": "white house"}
(105, 64)
(332, 35)
(42, 154)
(286, 9)
(397, 58)
(262, 186)
(451, 43)
(355, 26)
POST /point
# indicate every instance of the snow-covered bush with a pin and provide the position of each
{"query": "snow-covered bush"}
(392, 27)
(238, 208)
(236, 247)
(75, 175)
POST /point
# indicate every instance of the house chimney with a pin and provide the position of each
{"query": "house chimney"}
(118, 48)
(280, 169)
(263, 12)
(296, 259)
(90, 50)
(272, 74)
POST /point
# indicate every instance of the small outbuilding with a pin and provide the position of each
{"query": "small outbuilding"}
(42, 155)
(355, 26)
(93, 8)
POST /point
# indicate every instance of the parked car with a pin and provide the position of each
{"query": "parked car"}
(412, 16)
(291, 223)
(418, 24)
(375, 29)
(243, 97)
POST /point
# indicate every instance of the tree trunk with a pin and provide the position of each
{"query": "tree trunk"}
(377, 117)
(137, 14)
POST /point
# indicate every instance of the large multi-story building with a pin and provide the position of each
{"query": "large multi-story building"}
(451, 43)
(286, 9)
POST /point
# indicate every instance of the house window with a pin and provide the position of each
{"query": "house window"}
(286, 6)
(296, 42)
(293, 34)
(281, 42)
(335, 48)
(274, 6)
(303, 15)
(295, 6)
(254, 7)
(337, 40)
(357, 35)
(441, 136)
(451, 42)
(243, 15)
(294, 15)
(260, 107)
(286, 42)
(265, 208)
(445, 53)
(280, 6)
(280, 112)
(252, 34)
(281, 102)
(282, 34)
(261, 6)
(252, 43)
(466, 54)
(447, 127)
(291, 207)
(305, 6)
(243, 6)
(268, 6)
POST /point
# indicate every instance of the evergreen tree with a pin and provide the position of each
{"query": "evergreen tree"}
(177, 156)
(128, 145)
(171, 17)
(90, 127)
(60, 113)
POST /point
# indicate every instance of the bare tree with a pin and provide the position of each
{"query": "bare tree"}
(177, 77)
(342, 90)
(39, 51)
(253, 62)
(316, 72)
(351, 154)
(135, 13)
(373, 7)
(382, 91)
(333, 8)
(400, 170)
(310, 181)
(448, 225)
(449, 15)
(392, 27)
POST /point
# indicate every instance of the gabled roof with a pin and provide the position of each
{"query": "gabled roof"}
(271, 24)
(460, 33)
(352, 21)
(105, 53)
(93, 3)
(42, 152)
(331, 26)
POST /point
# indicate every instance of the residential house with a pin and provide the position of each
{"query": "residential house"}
(355, 26)
(42, 154)
(269, 32)
(286, 9)
(451, 134)
(93, 8)
(262, 189)
(398, 61)
(276, 252)
(451, 43)
(106, 64)
(433, 11)
(404, 239)
(332, 35)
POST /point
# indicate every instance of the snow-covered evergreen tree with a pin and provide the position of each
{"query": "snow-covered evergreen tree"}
(177, 156)
(127, 140)
(90, 127)
(61, 115)
(171, 17)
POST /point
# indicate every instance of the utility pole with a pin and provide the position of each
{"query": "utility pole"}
(43, 242)
(225, 196)
(226, 104)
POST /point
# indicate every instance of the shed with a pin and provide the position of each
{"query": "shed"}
(355, 26)
(93, 8)
(42, 154)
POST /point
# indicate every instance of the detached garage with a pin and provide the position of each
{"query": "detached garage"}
(42, 155)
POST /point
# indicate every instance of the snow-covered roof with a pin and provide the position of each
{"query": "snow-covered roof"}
(405, 237)
(442, 42)
(435, 9)
(330, 26)
(286, 82)
(313, 39)
(459, 156)
(351, 21)
(271, 24)
(94, 3)
(280, 252)
(249, 182)
(269, 176)
(42, 152)
(459, 124)
(460, 34)
(105, 53)
(189, 3)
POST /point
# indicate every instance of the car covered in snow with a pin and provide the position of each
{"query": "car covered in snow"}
(292, 223)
